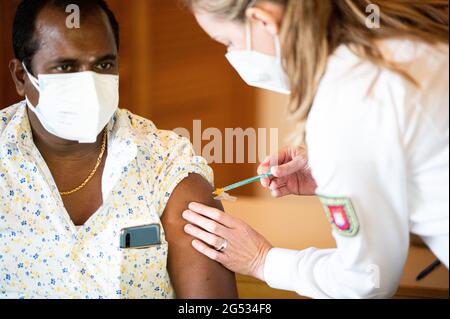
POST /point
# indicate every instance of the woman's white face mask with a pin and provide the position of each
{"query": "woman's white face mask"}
(258, 69)
(75, 106)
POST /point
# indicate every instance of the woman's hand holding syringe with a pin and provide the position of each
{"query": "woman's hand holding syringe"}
(290, 173)
(286, 173)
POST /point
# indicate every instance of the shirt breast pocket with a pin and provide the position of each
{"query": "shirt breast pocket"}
(144, 273)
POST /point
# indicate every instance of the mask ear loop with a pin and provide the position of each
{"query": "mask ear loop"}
(278, 47)
(248, 30)
(33, 80)
(35, 83)
(249, 40)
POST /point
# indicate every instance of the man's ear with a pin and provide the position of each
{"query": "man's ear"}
(18, 75)
(267, 15)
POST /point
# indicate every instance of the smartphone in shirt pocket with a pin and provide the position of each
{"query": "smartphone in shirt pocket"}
(143, 264)
(140, 237)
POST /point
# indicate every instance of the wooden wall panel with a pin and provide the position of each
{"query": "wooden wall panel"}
(8, 94)
(194, 81)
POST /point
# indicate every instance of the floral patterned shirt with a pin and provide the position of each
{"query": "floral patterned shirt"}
(44, 255)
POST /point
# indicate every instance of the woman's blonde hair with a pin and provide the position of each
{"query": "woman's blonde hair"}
(313, 29)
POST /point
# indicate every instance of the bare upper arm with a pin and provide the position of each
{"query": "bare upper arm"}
(193, 275)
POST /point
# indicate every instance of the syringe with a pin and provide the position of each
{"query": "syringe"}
(220, 191)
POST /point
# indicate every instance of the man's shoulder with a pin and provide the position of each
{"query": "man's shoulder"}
(7, 114)
(150, 135)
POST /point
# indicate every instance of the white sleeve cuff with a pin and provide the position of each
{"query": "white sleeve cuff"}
(280, 268)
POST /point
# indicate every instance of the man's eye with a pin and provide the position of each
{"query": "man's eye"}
(64, 68)
(105, 66)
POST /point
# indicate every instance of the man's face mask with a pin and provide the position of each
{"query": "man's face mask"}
(258, 69)
(75, 106)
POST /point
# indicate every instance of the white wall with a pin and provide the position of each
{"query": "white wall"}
(272, 113)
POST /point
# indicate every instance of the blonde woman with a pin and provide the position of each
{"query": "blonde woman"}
(373, 104)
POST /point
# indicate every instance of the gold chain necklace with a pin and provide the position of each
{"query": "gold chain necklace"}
(97, 165)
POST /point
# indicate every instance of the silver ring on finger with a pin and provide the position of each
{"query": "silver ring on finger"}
(223, 246)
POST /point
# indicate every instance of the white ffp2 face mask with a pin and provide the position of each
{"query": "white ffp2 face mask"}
(258, 69)
(75, 106)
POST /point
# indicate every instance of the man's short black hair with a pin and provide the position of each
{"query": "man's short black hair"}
(25, 42)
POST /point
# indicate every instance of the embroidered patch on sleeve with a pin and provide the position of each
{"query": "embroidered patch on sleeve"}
(341, 215)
